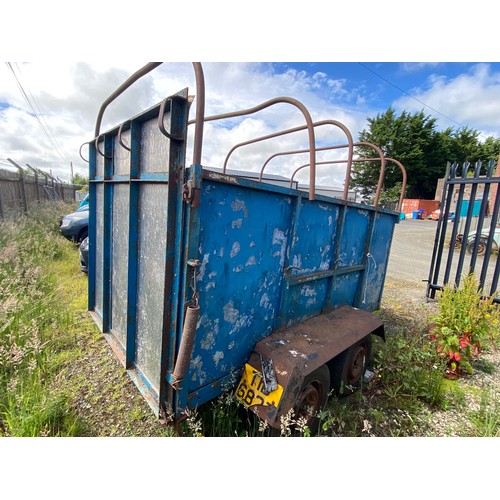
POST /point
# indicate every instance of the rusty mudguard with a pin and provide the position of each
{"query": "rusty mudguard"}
(299, 350)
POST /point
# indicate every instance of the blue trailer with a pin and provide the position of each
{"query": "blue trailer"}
(204, 281)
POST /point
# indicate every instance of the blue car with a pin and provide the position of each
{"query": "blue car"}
(75, 226)
(85, 201)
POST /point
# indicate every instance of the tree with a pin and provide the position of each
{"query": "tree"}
(413, 140)
(80, 180)
(408, 138)
(489, 150)
(465, 146)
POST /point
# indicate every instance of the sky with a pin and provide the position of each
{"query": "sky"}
(48, 109)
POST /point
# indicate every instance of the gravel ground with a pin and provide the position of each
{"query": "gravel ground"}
(406, 300)
(457, 421)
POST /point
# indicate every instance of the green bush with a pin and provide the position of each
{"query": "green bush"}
(467, 322)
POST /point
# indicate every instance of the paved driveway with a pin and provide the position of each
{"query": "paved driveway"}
(411, 254)
(411, 249)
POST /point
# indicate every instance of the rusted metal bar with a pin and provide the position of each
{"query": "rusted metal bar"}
(289, 131)
(200, 113)
(80, 152)
(120, 132)
(124, 86)
(382, 169)
(359, 160)
(161, 124)
(186, 345)
(96, 142)
(200, 104)
(309, 125)
(403, 182)
(348, 172)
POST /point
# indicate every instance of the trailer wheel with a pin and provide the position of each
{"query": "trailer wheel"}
(313, 397)
(350, 366)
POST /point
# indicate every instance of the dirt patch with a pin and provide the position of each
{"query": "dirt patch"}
(102, 393)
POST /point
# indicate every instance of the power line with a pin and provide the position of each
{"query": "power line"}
(54, 142)
(413, 97)
(45, 129)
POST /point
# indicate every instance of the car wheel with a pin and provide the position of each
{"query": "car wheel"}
(481, 247)
(83, 235)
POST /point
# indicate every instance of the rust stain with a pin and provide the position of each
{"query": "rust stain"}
(299, 350)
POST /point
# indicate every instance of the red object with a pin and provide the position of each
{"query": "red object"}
(411, 205)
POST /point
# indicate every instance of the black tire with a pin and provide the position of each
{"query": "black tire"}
(481, 247)
(83, 235)
(349, 367)
(313, 397)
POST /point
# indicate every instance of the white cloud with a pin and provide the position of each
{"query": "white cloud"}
(69, 96)
(469, 99)
(413, 67)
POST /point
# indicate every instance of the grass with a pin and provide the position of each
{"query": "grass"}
(58, 377)
(32, 318)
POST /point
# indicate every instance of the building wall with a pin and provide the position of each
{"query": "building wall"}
(411, 205)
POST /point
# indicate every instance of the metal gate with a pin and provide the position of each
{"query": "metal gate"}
(135, 201)
(468, 233)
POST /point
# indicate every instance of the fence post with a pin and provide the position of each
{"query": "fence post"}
(36, 183)
(23, 185)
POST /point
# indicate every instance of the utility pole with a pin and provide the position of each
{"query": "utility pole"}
(71, 163)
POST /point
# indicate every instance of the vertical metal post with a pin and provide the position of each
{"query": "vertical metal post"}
(22, 184)
(281, 318)
(468, 221)
(336, 254)
(133, 242)
(36, 183)
(444, 221)
(46, 196)
(494, 281)
(175, 260)
(447, 195)
(493, 223)
(107, 228)
(92, 225)
(482, 215)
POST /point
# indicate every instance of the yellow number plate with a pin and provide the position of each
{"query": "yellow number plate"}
(249, 390)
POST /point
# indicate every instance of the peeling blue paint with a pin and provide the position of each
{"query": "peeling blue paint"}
(265, 257)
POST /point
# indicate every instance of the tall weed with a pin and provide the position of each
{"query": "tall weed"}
(30, 319)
